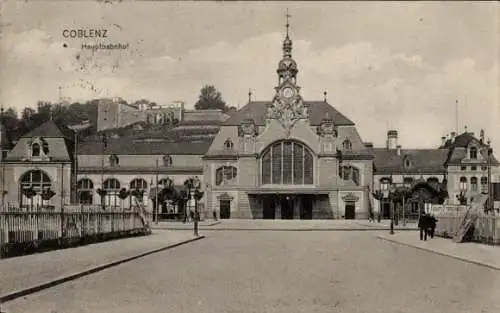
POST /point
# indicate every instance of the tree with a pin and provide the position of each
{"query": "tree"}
(210, 98)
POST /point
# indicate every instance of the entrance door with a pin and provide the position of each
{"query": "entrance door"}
(350, 211)
(286, 208)
(225, 209)
(268, 208)
(306, 206)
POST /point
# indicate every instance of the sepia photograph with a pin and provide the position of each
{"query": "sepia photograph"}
(249, 156)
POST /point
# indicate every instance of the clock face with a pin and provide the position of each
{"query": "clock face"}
(287, 92)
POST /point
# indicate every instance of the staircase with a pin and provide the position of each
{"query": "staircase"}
(142, 211)
(470, 217)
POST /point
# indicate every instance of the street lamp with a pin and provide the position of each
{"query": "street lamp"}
(392, 190)
(193, 185)
(490, 185)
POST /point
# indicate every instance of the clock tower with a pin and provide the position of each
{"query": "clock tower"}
(287, 106)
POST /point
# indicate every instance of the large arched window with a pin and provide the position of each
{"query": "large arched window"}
(33, 182)
(85, 191)
(112, 187)
(225, 175)
(289, 163)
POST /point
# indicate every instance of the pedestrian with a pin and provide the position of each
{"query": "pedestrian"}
(433, 222)
(423, 226)
(215, 215)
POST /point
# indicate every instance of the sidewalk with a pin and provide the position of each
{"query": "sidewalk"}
(26, 274)
(471, 252)
(286, 225)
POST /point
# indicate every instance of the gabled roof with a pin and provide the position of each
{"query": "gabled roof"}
(258, 109)
(422, 160)
(50, 129)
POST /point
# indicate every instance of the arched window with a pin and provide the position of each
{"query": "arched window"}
(165, 182)
(114, 160)
(138, 184)
(167, 160)
(85, 191)
(287, 162)
(225, 175)
(463, 183)
(45, 147)
(33, 181)
(408, 182)
(347, 145)
(350, 173)
(484, 184)
(384, 183)
(473, 153)
(473, 183)
(35, 149)
(228, 144)
(112, 187)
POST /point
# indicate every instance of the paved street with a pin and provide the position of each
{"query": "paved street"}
(279, 272)
(28, 271)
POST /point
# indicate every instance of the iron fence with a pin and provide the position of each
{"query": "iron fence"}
(38, 225)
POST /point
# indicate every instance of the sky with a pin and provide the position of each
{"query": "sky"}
(385, 65)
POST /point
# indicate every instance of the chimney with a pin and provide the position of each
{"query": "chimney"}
(481, 136)
(399, 149)
(443, 141)
(392, 139)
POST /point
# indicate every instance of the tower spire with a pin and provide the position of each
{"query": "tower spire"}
(287, 22)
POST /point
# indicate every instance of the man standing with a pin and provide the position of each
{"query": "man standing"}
(423, 226)
(432, 225)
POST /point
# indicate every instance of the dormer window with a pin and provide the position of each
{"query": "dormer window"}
(228, 144)
(347, 145)
(114, 160)
(167, 160)
(35, 149)
(473, 153)
(407, 163)
(45, 147)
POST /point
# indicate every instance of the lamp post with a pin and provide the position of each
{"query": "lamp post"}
(193, 185)
(157, 205)
(392, 189)
(490, 185)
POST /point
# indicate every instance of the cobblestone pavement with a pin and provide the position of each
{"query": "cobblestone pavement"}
(31, 270)
(470, 251)
(279, 272)
(243, 224)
